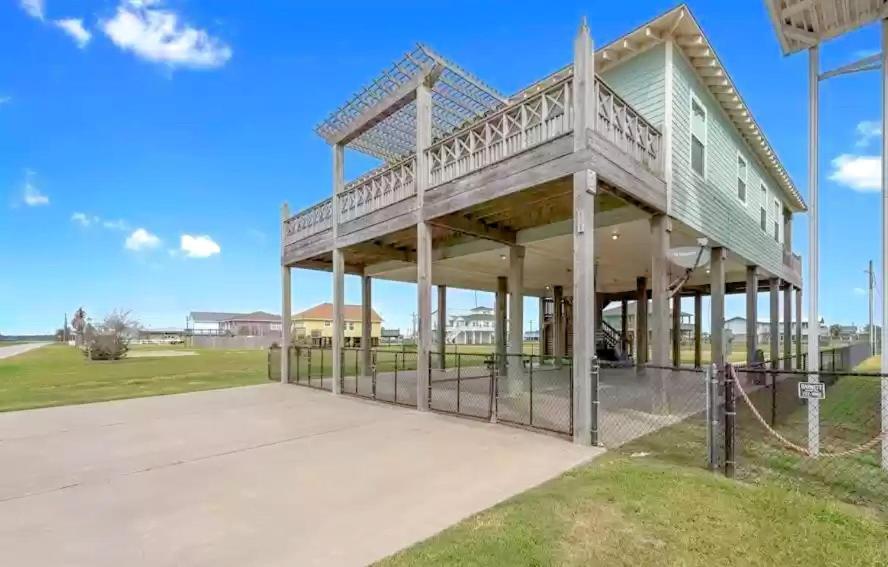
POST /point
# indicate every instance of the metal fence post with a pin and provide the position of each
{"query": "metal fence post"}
(494, 389)
(530, 385)
(714, 416)
(458, 380)
(730, 421)
(594, 374)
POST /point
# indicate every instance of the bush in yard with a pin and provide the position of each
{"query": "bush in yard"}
(110, 340)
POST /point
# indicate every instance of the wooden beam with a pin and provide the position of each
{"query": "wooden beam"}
(395, 101)
(467, 225)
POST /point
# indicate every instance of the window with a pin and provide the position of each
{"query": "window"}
(698, 137)
(328, 323)
(351, 326)
(741, 179)
(762, 210)
(776, 220)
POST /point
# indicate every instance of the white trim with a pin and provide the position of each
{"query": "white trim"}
(668, 119)
(693, 98)
(745, 199)
(776, 223)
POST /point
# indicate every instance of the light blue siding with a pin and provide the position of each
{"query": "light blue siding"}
(711, 205)
(640, 81)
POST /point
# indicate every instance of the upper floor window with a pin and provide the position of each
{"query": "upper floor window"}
(741, 179)
(328, 323)
(776, 220)
(763, 212)
(698, 136)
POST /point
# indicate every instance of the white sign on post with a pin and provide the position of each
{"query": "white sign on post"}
(812, 391)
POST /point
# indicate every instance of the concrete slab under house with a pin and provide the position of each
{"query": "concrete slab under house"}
(589, 188)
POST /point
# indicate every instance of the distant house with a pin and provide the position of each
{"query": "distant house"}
(391, 336)
(315, 325)
(475, 327)
(255, 324)
(164, 335)
(613, 317)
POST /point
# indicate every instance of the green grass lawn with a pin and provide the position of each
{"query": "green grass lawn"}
(59, 375)
(644, 511)
(653, 503)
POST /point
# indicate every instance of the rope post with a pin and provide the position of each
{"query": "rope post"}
(710, 377)
(730, 420)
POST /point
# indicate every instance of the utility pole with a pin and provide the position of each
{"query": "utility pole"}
(65, 330)
(870, 287)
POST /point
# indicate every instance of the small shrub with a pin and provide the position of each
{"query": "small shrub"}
(109, 346)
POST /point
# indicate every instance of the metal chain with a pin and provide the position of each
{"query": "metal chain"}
(789, 444)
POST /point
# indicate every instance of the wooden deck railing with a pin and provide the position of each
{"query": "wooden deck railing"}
(514, 128)
(533, 120)
(378, 189)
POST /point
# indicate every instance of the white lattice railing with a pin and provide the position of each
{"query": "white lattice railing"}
(521, 125)
(620, 124)
(312, 220)
(378, 189)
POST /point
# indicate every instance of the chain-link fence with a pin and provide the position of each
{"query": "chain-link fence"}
(462, 383)
(773, 430)
(535, 391)
(659, 410)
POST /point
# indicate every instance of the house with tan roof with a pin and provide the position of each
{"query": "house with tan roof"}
(315, 325)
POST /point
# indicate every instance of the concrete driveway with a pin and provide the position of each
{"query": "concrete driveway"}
(12, 350)
(262, 475)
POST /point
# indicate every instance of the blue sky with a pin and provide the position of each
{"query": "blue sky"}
(146, 147)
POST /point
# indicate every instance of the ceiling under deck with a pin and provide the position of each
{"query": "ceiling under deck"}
(801, 24)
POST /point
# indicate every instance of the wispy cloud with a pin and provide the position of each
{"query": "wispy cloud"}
(867, 131)
(74, 28)
(87, 220)
(857, 172)
(31, 194)
(198, 246)
(34, 8)
(5, 100)
(141, 239)
(157, 35)
(859, 291)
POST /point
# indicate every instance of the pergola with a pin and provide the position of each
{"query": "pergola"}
(804, 25)
(380, 119)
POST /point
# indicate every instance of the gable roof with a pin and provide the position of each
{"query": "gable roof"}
(680, 24)
(324, 312)
(254, 316)
(210, 316)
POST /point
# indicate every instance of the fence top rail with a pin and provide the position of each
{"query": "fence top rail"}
(693, 369)
(854, 373)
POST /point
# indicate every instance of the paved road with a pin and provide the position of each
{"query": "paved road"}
(261, 475)
(7, 351)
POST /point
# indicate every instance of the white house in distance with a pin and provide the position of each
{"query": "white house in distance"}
(475, 327)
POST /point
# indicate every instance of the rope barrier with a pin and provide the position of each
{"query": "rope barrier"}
(789, 444)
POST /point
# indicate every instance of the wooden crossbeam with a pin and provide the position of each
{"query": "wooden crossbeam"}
(478, 229)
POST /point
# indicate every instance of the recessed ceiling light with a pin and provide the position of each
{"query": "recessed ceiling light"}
(502, 256)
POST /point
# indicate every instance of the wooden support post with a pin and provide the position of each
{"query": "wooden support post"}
(798, 328)
(584, 305)
(698, 329)
(751, 313)
(774, 324)
(659, 296)
(641, 324)
(624, 327)
(338, 319)
(676, 329)
(366, 325)
(286, 295)
(717, 316)
(558, 334)
(423, 246)
(516, 317)
(499, 323)
(442, 327)
(787, 327)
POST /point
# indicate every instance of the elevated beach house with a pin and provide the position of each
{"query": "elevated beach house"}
(637, 173)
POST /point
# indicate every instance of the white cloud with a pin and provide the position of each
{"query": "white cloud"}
(158, 36)
(860, 173)
(141, 239)
(867, 131)
(859, 291)
(84, 219)
(34, 8)
(200, 246)
(74, 28)
(31, 195)
(5, 100)
(118, 224)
